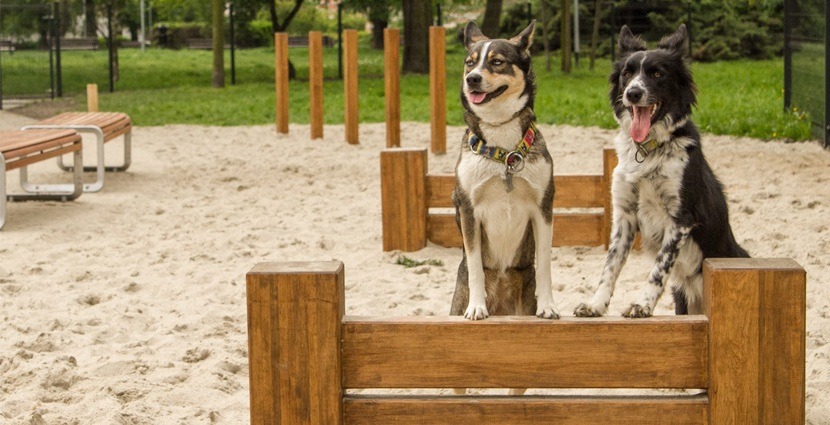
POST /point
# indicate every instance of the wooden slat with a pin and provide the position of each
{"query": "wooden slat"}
(572, 191)
(569, 229)
(524, 352)
(17, 139)
(351, 115)
(403, 206)
(392, 85)
(315, 83)
(438, 89)
(281, 81)
(609, 162)
(528, 410)
(113, 124)
(11, 165)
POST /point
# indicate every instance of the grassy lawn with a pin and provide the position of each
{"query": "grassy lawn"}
(160, 87)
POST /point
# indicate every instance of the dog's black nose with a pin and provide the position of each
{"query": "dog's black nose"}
(473, 78)
(634, 94)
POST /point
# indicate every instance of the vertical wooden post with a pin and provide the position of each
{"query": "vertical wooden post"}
(281, 80)
(438, 89)
(92, 97)
(295, 311)
(757, 318)
(350, 84)
(403, 198)
(392, 78)
(609, 162)
(315, 82)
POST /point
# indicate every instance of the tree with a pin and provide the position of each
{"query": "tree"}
(417, 16)
(91, 24)
(378, 12)
(276, 25)
(218, 79)
(492, 18)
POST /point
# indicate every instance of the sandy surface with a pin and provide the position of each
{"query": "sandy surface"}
(127, 306)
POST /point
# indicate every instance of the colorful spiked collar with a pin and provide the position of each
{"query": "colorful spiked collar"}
(513, 159)
(645, 149)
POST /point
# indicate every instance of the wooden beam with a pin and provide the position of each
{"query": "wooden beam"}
(438, 89)
(392, 85)
(315, 83)
(281, 80)
(403, 198)
(294, 316)
(350, 94)
(92, 97)
(524, 352)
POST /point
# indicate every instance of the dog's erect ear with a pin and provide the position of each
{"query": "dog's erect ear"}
(525, 38)
(472, 34)
(676, 43)
(629, 43)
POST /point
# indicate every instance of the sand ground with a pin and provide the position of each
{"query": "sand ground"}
(127, 306)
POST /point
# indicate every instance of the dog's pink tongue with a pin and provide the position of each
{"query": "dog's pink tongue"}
(641, 124)
(476, 97)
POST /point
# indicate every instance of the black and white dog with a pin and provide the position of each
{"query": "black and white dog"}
(663, 185)
(504, 185)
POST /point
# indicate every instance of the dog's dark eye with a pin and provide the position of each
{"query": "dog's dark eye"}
(496, 62)
(470, 62)
(626, 74)
(658, 74)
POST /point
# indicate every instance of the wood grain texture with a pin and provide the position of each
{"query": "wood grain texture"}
(569, 229)
(609, 162)
(572, 191)
(438, 89)
(281, 80)
(403, 199)
(524, 352)
(392, 85)
(315, 83)
(528, 410)
(92, 97)
(294, 316)
(350, 92)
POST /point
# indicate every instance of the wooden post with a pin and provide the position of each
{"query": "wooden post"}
(392, 79)
(350, 84)
(757, 318)
(281, 80)
(92, 97)
(295, 311)
(403, 198)
(609, 162)
(438, 89)
(315, 82)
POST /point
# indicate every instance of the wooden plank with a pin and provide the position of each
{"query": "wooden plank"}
(11, 165)
(13, 143)
(281, 80)
(439, 190)
(438, 89)
(92, 97)
(403, 198)
(524, 352)
(294, 315)
(572, 191)
(528, 410)
(392, 86)
(315, 83)
(350, 85)
(569, 229)
(757, 310)
(609, 162)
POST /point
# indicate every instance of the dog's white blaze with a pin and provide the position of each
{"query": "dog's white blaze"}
(482, 59)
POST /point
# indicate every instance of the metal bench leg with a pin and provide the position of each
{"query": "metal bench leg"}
(112, 168)
(2, 191)
(52, 192)
(99, 167)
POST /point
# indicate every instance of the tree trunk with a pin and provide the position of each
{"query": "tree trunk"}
(278, 26)
(566, 36)
(595, 32)
(377, 33)
(218, 25)
(91, 22)
(417, 16)
(544, 11)
(492, 18)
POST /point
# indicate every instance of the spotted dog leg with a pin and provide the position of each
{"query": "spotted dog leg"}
(622, 237)
(476, 307)
(672, 242)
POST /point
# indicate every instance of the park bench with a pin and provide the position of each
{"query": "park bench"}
(84, 43)
(6, 46)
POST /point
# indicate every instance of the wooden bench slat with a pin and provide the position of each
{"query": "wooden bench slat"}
(113, 124)
(572, 191)
(569, 229)
(527, 410)
(525, 352)
(44, 155)
(20, 143)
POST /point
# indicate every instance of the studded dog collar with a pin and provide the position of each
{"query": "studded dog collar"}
(513, 159)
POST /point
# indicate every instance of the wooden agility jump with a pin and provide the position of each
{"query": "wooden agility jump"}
(408, 193)
(746, 355)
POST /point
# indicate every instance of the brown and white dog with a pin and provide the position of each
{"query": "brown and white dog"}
(504, 185)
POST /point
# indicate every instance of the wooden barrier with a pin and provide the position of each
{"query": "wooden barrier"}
(315, 83)
(408, 192)
(438, 89)
(281, 80)
(92, 97)
(392, 86)
(350, 85)
(747, 353)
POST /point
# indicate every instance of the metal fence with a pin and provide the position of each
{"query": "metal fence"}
(806, 60)
(28, 65)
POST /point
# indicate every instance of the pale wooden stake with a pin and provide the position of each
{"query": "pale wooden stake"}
(757, 317)
(403, 198)
(92, 97)
(438, 89)
(281, 80)
(350, 85)
(315, 82)
(294, 325)
(391, 44)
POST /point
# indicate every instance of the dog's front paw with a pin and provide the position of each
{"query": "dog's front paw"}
(547, 312)
(636, 311)
(476, 312)
(588, 310)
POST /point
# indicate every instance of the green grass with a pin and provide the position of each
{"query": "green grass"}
(160, 87)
